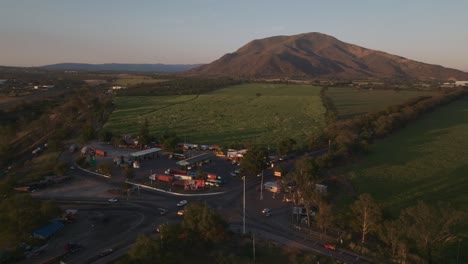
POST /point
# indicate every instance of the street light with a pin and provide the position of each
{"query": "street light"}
(243, 230)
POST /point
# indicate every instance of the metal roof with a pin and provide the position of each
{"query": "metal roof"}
(145, 152)
(193, 160)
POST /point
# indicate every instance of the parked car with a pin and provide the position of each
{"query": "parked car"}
(182, 203)
(113, 200)
(329, 246)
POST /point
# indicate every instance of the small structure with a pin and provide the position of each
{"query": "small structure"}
(271, 186)
(146, 153)
(461, 83)
(196, 161)
(48, 230)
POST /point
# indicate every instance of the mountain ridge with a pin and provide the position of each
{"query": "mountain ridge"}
(124, 67)
(312, 55)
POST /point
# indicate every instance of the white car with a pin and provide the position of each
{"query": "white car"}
(182, 203)
(113, 200)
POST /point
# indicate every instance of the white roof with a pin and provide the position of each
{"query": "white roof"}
(145, 152)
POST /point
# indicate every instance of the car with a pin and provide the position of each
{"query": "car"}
(182, 203)
(181, 212)
(106, 252)
(162, 211)
(329, 246)
(266, 212)
(237, 171)
(233, 174)
(113, 200)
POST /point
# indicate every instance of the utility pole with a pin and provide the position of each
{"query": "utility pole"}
(261, 188)
(458, 253)
(243, 218)
(253, 245)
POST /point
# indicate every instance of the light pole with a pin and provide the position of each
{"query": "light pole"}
(261, 188)
(243, 218)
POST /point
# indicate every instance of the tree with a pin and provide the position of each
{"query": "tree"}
(201, 174)
(129, 172)
(255, 160)
(143, 137)
(390, 233)
(324, 216)
(430, 226)
(204, 223)
(105, 136)
(367, 215)
(106, 168)
(305, 178)
(145, 250)
(285, 146)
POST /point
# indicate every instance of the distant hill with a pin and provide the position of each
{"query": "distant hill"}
(313, 55)
(121, 67)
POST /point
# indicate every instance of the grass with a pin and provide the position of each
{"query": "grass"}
(249, 113)
(351, 101)
(425, 161)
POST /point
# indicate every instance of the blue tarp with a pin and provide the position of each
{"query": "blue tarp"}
(48, 230)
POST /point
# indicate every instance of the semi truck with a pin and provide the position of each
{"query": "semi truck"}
(175, 171)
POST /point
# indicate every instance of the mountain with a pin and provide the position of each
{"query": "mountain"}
(121, 67)
(313, 55)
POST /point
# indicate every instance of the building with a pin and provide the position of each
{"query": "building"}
(461, 83)
(119, 87)
(196, 161)
(48, 230)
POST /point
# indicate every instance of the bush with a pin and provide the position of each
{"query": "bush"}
(60, 168)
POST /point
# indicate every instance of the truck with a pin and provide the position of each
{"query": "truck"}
(100, 152)
(165, 178)
(212, 176)
(175, 171)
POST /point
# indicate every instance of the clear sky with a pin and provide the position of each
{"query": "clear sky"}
(39, 32)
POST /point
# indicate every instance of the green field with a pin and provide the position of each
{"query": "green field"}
(351, 101)
(427, 161)
(130, 80)
(249, 113)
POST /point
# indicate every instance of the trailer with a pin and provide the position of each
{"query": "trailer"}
(183, 177)
(165, 178)
(175, 171)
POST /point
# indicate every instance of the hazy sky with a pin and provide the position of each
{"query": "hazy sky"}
(38, 32)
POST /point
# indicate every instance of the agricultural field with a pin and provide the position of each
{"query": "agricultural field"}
(249, 113)
(130, 80)
(351, 101)
(426, 161)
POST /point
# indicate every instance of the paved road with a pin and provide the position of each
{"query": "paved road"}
(278, 227)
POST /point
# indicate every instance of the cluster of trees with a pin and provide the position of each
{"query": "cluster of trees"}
(353, 136)
(423, 228)
(179, 86)
(201, 230)
(20, 216)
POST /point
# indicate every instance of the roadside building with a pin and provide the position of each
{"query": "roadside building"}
(146, 154)
(48, 230)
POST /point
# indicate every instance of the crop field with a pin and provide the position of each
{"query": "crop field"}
(351, 101)
(426, 161)
(249, 113)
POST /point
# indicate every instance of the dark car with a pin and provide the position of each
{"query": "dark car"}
(106, 252)
(162, 211)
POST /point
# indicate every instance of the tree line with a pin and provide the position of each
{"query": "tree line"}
(179, 86)
(352, 137)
